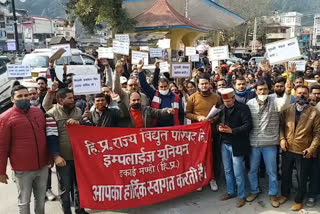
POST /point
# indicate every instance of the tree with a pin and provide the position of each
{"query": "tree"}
(92, 13)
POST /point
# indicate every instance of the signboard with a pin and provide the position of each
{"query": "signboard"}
(11, 46)
(156, 53)
(120, 47)
(66, 47)
(218, 53)
(180, 70)
(195, 58)
(138, 55)
(300, 65)
(86, 84)
(164, 67)
(148, 165)
(283, 51)
(16, 71)
(105, 53)
(164, 43)
(190, 51)
(122, 38)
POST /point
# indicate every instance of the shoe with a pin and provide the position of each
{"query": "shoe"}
(311, 202)
(282, 199)
(199, 189)
(274, 201)
(50, 196)
(213, 185)
(226, 196)
(296, 207)
(251, 197)
(241, 202)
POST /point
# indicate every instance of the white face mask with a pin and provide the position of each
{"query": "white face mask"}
(34, 102)
(164, 92)
(300, 108)
(262, 97)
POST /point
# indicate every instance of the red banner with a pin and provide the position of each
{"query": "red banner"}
(123, 168)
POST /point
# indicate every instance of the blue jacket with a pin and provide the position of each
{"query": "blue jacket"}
(166, 102)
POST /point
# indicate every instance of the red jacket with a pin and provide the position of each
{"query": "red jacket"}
(23, 140)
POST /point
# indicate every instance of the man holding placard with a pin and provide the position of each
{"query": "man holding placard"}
(162, 98)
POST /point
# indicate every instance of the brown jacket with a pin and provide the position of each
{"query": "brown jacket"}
(199, 105)
(307, 132)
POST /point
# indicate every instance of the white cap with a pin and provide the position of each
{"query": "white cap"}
(227, 93)
(123, 79)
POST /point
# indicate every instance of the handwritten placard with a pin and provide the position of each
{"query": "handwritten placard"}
(180, 70)
(283, 51)
(195, 58)
(66, 47)
(300, 65)
(86, 84)
(105, 53)
(164, 43)
(156, 53)
(218, 53)
(190, 51)
(164, 67)
(16, 71)
(138, 55)
(121, 47)
(122, 38)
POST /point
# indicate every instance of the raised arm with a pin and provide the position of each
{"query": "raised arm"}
(117, 89)
(148, 90)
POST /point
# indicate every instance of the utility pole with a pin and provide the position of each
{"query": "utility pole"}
(254, 39)
(186, 9)
(15, 25)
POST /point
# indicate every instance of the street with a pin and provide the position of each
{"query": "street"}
(205, 202)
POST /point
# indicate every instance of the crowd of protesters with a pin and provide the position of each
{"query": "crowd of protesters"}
(269, 123)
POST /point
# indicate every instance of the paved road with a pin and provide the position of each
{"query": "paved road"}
(205, 202)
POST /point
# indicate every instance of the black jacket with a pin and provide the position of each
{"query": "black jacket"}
(109, 118)
(240, 122)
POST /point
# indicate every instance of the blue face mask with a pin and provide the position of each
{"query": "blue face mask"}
(23, 104)
(241, 93)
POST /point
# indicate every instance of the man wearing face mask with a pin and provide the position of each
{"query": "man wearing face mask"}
(198, 107)
(299, 139)
(34, 97)
(138, 116)
(23, 141)
(264, 138)
(65, 113)
(162, 98)
(242, 94)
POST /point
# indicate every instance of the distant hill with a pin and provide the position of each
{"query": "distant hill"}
(43, 8)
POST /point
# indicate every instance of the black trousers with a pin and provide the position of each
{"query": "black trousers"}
(49, 179)
(303, 166)
(217, 159)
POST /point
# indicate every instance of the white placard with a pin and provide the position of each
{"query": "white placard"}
(122, 38)
(86, 84)
(180, 70)
(164, 67)
(190, 51)
(55, 48)
(144, 48)
(156, 53)
(300, 65)
(195, 58)
(121, 47)
(164, 43)
(11, 46)
(138, 55)
(283, 51)
(15, 71)
(105, 53)
(218, 53)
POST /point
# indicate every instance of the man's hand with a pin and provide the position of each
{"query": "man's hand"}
(233, 68)
(201, 118)
(72, 122)
(225, 129)
(170, 111)
(157, 64)
(140, 65)
(307, 153)
(3, 179)
(265, 66)
(119, 67)
(292, 69)
(55, 85)
(289, 87)
(284, 145)
(59, 161)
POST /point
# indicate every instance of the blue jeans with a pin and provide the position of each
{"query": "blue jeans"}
(234, 171)
(269, 154)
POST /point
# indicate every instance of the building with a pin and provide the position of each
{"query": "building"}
(292, 20)
(274, 30)
(62, 28)
(316, 31)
